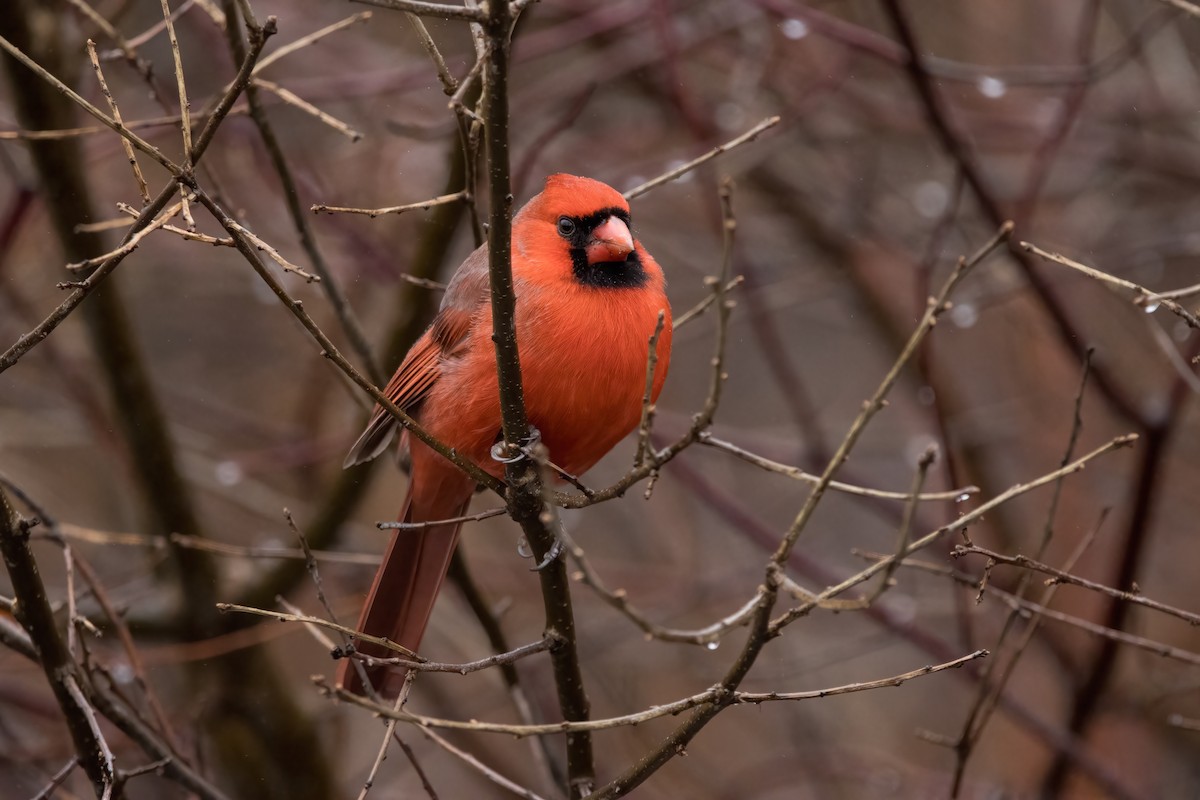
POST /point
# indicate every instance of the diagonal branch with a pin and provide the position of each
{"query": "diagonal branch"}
(36, 617)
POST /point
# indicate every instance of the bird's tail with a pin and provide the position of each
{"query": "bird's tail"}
(405, 588)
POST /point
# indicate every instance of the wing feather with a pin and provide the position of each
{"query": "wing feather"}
(422, 366)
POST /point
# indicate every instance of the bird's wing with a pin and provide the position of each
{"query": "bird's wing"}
(421, 367)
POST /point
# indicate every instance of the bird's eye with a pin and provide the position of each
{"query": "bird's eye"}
(566, 226)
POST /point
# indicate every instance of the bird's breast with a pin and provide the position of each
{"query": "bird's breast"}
(583, 368)
(583, 363)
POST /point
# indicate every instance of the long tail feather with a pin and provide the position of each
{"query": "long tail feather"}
(406, 586)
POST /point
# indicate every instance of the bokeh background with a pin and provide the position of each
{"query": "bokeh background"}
(1075, 119)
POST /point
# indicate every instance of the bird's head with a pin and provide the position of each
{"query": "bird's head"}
(585, 223)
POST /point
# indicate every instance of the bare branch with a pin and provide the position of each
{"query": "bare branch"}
(310, 39)
(667, 177)
(424, 9)
(1149, 300)
(185, 109)
(293, 99)
(36, 617)
(934, 308)
(707, 438)
(647, 395)
(1058, 576)
(958, 524)
(377, 212)
(140, 179)
(322, 623)
(669, 709)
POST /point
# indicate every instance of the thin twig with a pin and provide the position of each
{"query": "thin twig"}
(310, 563)
(667, 177)
(107, 538)
(647, 395)
(90, 130)
(323, 623)
(934, 309)
(105, 119)
(706, 636)
(417, 526)
(158, 27)
(991, 690)
(291, 195)
(698, 309)
(310, 39)
(388, 735)
(1059, 576)
(377, 212)
(129, 245)
(958, 524)
(1028, 607)
(139, 64)
(185, 108)
(425, 9)
(249, 252)
(182, 233)
(906, 522)
(449, 85)
(669, 709)
(140, 179)
(235, 227)
(958, 495)
(477, 765)
(293, 99)
(1150, 301)
(29, 340)
(56, 780)
(1184, 6)
(1180, 721)
(500, 659)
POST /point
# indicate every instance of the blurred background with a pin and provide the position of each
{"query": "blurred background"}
(1075, 119)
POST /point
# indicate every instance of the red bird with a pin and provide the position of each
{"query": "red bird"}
(588, 300)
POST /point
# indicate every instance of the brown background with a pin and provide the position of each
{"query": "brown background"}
(848, 213)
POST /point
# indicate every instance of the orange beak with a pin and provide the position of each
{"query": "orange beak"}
(611, 241)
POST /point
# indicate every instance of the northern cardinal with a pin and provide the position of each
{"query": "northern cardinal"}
(588, 300)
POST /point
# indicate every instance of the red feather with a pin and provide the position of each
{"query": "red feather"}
(583, 349)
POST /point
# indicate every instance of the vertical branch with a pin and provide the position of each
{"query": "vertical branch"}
(504, 299)
(525, 493)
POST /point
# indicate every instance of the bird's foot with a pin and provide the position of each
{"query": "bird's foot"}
(552, 554)
(556, 550)
(524, 449)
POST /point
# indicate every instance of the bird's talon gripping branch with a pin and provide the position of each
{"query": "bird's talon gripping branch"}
(556, 550)
(552, 554)
(524, 448)
(534, 438)
(500, 452)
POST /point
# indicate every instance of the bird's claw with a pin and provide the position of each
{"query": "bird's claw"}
(552, 555)
(556, 550)
(500, 450)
